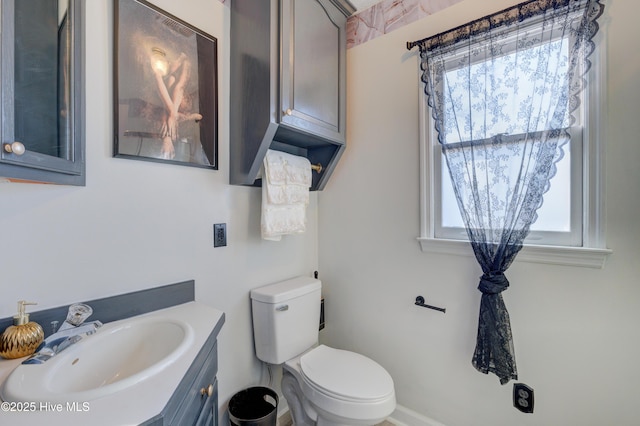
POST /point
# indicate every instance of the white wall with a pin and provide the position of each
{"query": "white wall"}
(138, 224)
(576, 331)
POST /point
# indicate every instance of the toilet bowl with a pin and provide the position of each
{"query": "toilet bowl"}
(322, 385)
(337, 387)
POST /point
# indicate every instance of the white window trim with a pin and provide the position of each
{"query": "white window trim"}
(593, 253)
(550, 238)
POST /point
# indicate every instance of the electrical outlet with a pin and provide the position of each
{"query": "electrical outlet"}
(523, 397)
(219, 234)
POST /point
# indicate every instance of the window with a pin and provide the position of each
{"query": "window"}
(569, 227)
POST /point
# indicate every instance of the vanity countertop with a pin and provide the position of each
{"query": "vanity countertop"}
(130, 406)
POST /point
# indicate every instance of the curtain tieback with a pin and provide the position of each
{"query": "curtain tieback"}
(493, 283)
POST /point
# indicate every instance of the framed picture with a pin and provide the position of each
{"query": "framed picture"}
(165, 88)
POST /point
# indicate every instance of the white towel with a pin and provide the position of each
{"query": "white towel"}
(285, 194)
(282, 168)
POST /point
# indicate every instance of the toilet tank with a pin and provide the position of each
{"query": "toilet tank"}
(286, 317)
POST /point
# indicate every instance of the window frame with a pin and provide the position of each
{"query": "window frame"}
(572, 238)
(592, 252)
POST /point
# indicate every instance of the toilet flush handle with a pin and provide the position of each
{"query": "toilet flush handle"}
(282, 308)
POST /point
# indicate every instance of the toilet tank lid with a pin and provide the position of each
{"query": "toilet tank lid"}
(285, 290)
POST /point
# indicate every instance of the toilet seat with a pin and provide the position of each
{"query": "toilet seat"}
(345, 375)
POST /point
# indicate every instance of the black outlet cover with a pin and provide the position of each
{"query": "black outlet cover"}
(219, 234)
(523, 397)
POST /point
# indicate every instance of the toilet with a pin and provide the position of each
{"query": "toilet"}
(322, 385)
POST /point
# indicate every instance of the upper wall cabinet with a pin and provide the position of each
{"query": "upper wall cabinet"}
(42, 91)
(288, 72)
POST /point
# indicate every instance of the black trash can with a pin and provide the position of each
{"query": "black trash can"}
(256, 406)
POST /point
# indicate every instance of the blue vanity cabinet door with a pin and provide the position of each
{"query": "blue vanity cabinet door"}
(194, 397)
(209, 413)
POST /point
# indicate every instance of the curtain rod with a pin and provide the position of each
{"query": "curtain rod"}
(488, 19)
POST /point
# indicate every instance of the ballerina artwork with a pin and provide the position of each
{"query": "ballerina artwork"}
(171, 90)
(166, 94)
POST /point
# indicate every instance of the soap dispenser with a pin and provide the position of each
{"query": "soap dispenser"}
(23, 337)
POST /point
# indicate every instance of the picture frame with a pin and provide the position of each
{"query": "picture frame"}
(165, 85)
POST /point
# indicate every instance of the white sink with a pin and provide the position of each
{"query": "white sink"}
(119, 355)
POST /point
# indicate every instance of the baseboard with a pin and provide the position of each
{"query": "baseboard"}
(400, 417)
(403, 416)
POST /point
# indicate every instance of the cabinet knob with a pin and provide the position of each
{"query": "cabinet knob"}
(207, 391)
(16, 148)
(289, 111)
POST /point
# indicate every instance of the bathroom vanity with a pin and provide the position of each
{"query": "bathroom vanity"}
(154, 368)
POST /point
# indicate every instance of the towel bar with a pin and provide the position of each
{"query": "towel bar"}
(420, 302)
(316, 167)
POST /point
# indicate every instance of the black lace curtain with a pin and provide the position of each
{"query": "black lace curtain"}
(501, 91)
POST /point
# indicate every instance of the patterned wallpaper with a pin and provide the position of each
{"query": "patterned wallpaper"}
(386, 16)
(389, 15)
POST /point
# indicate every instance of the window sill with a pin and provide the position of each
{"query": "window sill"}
(554, 255)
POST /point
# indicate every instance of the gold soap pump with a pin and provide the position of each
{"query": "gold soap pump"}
(23, 337)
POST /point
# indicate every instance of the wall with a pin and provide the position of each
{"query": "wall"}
(575, 329)
(138, 224)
